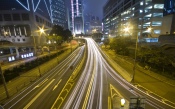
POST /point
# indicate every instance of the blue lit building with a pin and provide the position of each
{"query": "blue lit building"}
(169, 7)
(59, 13)
(77, 18)
(169, 11)
(20, 20)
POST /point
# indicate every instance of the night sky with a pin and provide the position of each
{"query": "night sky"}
(94, 7)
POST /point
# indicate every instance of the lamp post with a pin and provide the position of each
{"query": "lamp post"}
(136, 47)
(34, 42)
(4, 83)
(135, 58)
(41, 30)
(71, 45)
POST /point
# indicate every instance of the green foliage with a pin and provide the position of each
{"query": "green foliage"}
(156, 58)
(152, 56)
(120, 45)
(106, 42)
(16, 71)
(58, 34)
(57, 30)
(67, 34)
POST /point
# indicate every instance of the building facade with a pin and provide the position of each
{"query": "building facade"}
(77, 19)
(59, 13)
(169, 11)
(137, 16)
(92, 24)
(20, 21)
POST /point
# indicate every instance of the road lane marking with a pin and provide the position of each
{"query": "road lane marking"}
(88, 91)
(109, 103)
(61, 71)
(62, 91)
(56, 85)
(27, 106)
(40, 83)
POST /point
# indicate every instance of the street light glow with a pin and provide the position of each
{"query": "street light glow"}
(126, 29)
(149, 29)
(41, 30)
(122, 102)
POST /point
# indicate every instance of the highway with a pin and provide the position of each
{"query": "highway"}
(96, 86)
(41, 94)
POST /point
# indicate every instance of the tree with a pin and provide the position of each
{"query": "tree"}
(57, 30)
(120, 45)
(58, 33)
(106, 42)
(159, 59)
(144, 53)
(66, 34)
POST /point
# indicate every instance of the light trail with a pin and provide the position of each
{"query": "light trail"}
(92, 65)
(38, 82)
(96, 83)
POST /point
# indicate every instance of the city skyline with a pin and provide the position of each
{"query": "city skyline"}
(91, 7)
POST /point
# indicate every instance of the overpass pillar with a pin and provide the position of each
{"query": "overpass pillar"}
(30, 49)
(11, 50)
(17, 52)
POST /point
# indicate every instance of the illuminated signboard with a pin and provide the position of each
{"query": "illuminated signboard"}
(169, 7)
(12, 58)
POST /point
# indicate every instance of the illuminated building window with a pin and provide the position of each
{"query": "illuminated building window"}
(148, 15)
(141, 3)
(157, 14)
(158, 6)
(149, 7)
(141, 11)
(146, 10)
(157, 31)
(156, 23)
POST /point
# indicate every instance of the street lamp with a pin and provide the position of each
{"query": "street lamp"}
(136, 47)
(122, 102)
(41, 30)
(34, 42)
(71, 45)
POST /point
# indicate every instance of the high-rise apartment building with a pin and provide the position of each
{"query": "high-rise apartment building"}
(137, 15)
(59, 13)
(77, 17)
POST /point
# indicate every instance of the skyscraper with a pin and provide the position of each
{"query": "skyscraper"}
(59, 13)
(77, 17)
